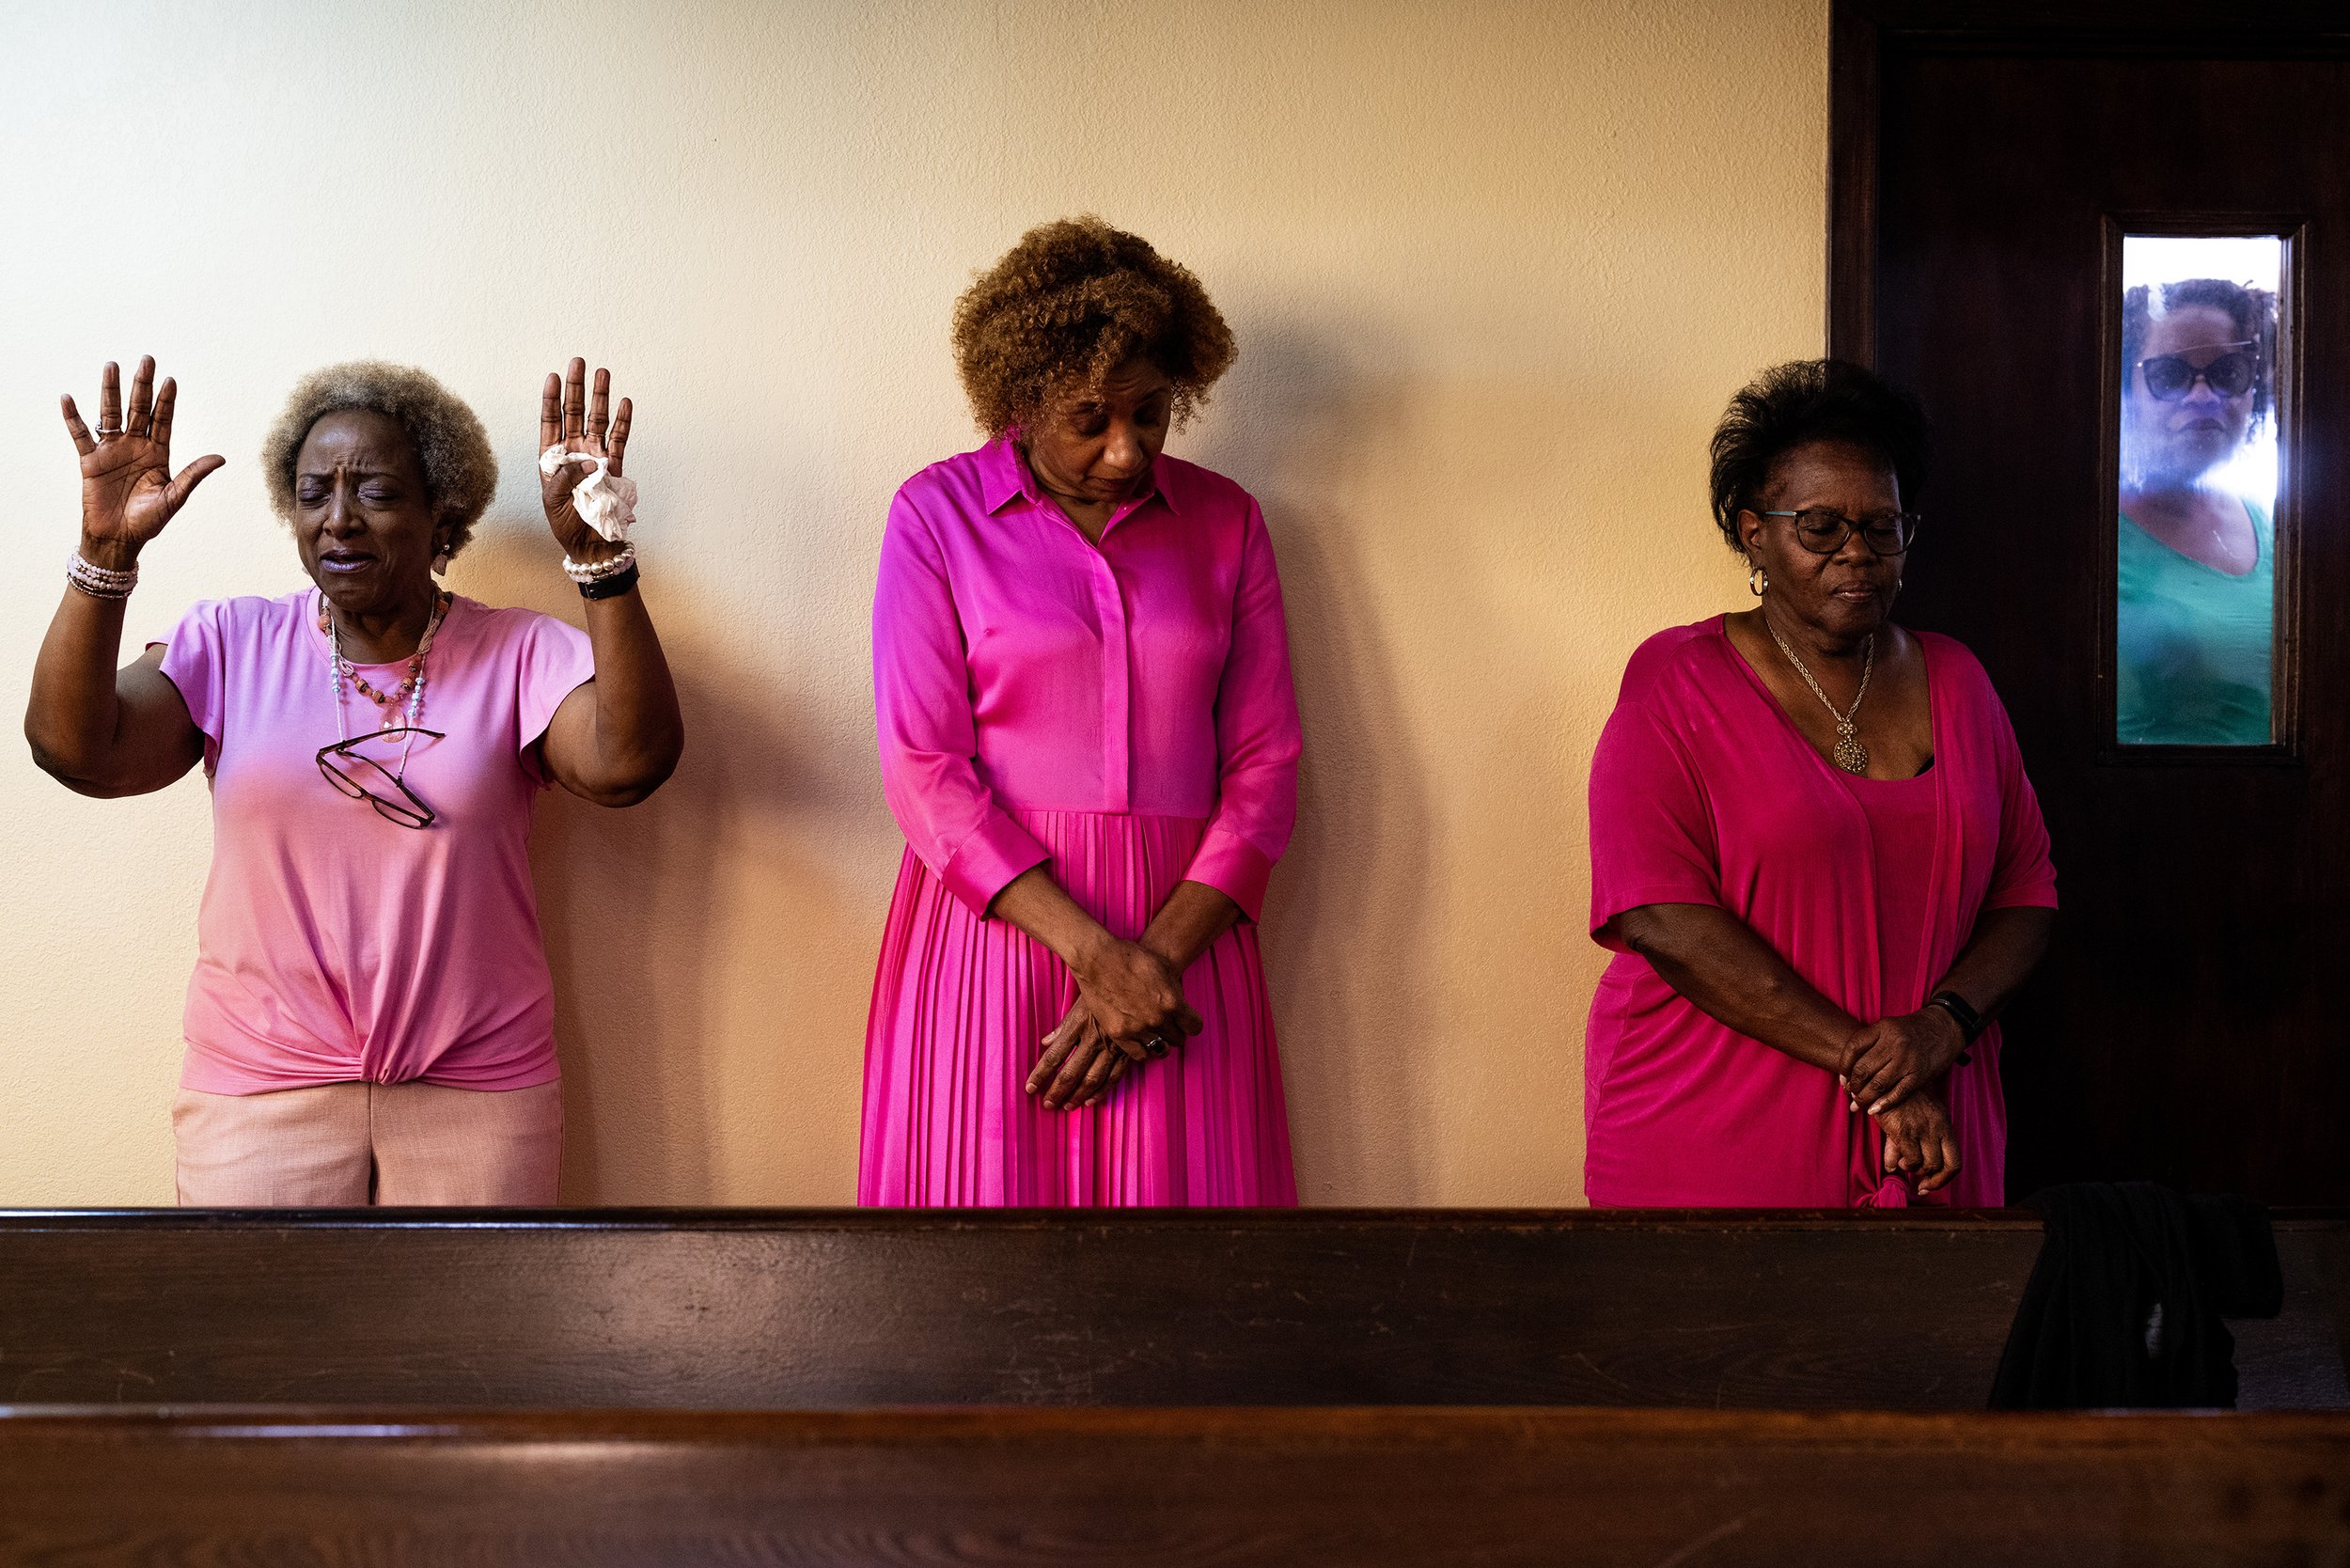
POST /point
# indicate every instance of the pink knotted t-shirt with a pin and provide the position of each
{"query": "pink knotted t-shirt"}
(331, 944)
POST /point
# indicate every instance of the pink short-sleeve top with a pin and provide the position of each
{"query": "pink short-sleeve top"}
(1703, 792)
(331, 944)
(1017, 667)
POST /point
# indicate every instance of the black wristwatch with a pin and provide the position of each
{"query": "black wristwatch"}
(1970, 1022)
(609, 587)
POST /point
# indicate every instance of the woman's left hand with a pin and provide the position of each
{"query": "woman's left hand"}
(1081, 1064)
(567, 418)
(1919, 1142)
(1888, 1061)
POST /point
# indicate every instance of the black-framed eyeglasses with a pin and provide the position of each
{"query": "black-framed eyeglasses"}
(2171, 376)
(362, 777)
(1823, 530)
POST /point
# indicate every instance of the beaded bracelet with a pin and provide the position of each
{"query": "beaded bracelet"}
(100, 582)
(585, 572)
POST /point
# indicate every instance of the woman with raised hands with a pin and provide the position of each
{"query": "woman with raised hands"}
(370, 1019)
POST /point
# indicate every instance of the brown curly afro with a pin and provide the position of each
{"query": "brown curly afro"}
(1071, 302)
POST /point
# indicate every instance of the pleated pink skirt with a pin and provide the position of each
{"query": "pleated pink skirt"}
(961, 1005)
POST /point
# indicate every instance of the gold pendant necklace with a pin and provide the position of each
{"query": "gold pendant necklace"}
(1850, 755)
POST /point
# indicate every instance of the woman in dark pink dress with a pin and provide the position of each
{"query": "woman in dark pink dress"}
(1813, 851)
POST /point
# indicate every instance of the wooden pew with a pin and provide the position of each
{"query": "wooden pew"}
(1007, 1488)
(847, 1309)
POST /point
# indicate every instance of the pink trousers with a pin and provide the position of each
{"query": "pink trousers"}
(350, 1144)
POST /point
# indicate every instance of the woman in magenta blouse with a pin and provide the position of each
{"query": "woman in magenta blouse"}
(370, 1019)
(1089, 736)
(1813, 851)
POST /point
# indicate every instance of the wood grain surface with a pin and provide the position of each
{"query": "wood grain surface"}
(835, 1309)
(1655, 1489)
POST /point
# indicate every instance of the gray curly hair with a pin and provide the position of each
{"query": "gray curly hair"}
(461, 473)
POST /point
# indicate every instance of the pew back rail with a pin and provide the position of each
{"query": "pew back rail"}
(842, 1309)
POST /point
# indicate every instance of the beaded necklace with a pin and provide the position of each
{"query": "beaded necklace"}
(342, 671)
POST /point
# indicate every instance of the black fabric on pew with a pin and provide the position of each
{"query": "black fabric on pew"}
(2124, 1303)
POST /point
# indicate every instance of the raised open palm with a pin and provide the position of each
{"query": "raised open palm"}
(129, 491)
(568, 420)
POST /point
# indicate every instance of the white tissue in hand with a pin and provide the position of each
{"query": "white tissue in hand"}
(605, 501)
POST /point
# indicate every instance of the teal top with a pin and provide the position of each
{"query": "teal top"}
(2193, 643)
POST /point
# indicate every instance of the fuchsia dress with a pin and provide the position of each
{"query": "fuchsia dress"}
(1123, 714)
(1703, 792)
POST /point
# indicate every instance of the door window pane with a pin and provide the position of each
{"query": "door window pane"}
(2196, 581)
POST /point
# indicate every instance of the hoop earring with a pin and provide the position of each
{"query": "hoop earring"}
(1758, 582)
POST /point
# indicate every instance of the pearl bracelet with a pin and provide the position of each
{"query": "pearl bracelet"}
(100, 582)
(585, 573)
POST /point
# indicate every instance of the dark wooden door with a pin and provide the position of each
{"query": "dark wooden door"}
(2193, 1022)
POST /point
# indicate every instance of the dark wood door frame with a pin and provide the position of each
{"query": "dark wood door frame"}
(1985, 159)
(1864, 34)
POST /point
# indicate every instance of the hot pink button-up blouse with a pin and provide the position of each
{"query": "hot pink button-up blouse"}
(1016, 667)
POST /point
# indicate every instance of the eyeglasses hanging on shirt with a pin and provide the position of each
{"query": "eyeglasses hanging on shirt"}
(362, 777)
(353, 772)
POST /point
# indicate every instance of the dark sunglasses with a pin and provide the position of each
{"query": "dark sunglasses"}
(1823, 530)
(2171, 377)
(362, 777)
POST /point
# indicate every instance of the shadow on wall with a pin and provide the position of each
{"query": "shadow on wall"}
(1345, 926)
(632, 902)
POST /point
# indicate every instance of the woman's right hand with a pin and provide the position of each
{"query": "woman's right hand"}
(1127, 997)
(128, 489)
(1134, 993)
(1919, 1142)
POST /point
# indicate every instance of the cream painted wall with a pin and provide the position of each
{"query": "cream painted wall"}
(1494, 269)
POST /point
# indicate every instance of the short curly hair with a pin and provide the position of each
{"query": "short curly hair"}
(1805, 401)
(461, 472)
(2253, 310)
(1068, 305)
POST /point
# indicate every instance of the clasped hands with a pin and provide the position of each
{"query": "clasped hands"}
(1129, 998)
(1894, 1069)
